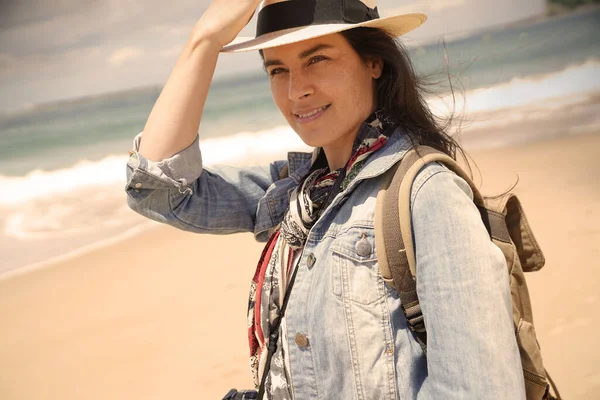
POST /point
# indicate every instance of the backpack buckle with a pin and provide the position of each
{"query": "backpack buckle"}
(416, 324)
(414, 317)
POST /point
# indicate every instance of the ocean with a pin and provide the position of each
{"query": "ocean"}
(62, 165)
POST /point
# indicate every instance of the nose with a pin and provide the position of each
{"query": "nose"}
(300, 86)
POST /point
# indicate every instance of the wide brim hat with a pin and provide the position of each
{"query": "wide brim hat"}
(281, 22)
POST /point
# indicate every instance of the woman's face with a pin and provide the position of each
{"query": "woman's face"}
(323, 89)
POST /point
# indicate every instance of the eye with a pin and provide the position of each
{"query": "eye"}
(316, 59)
(276, 71)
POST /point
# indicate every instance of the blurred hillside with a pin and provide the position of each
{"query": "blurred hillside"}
(556, 7)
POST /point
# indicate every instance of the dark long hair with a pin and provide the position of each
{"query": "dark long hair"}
(400, 91)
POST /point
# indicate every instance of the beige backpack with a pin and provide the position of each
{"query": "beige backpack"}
(505, 221)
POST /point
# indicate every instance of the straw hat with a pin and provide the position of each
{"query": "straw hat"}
(283, 22)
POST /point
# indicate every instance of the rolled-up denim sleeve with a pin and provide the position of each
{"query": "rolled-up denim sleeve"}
(463, 288)
(180, 192)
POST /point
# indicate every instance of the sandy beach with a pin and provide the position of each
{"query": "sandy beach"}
(162, 315)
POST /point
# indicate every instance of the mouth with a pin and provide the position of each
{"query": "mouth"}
(311, 115)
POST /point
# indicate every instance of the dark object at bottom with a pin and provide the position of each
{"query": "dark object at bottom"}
(241, 395)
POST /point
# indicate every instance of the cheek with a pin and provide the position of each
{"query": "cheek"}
(337, 87)
(279, 95)
(354, 91)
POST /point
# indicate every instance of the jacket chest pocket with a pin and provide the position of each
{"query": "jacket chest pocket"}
(355, 271)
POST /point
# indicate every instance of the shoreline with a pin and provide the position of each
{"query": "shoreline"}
(145, 225)
(130, 233)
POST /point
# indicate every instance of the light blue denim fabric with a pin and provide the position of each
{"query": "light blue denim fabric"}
(359, 345)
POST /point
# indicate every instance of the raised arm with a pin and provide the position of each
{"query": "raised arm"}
(463, 288)
(175, 118)
(165, 177)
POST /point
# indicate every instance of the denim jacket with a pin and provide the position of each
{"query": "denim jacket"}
(355, 342)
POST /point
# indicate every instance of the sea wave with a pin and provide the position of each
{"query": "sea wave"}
(551, 91)
(522, 99)
(85, 176)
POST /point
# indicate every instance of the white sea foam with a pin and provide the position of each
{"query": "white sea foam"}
(86, 176)
(251, 147)
(39, 184)
(555, 90)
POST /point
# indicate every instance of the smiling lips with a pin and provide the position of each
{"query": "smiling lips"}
(311, 115)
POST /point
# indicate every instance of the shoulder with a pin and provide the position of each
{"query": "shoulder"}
(436, 184)
(443, 211)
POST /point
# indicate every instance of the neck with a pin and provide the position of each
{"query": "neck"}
(338, 156)
(339, 153)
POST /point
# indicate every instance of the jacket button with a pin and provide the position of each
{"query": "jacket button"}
(301, 340)
(310, 260)
(363, 247)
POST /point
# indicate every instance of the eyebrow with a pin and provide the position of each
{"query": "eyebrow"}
(304, 54)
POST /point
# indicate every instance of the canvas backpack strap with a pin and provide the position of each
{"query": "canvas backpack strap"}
(393, 231)
(393, 254)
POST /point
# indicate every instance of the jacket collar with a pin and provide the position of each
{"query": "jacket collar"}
(397, 145)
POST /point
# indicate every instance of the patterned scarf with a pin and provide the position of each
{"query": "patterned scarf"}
(307, 202)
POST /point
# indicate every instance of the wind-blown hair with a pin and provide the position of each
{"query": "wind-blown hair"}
(400, 91)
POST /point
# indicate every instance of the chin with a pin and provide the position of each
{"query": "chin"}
(312, 138)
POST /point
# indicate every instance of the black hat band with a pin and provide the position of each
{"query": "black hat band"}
(296, 13)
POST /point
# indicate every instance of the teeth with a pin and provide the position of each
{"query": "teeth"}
(310, 114)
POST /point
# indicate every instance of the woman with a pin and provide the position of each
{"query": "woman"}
(322, 323)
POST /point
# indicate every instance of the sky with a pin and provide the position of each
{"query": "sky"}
(60, 49)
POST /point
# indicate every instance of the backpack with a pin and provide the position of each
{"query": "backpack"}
(508, 228)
